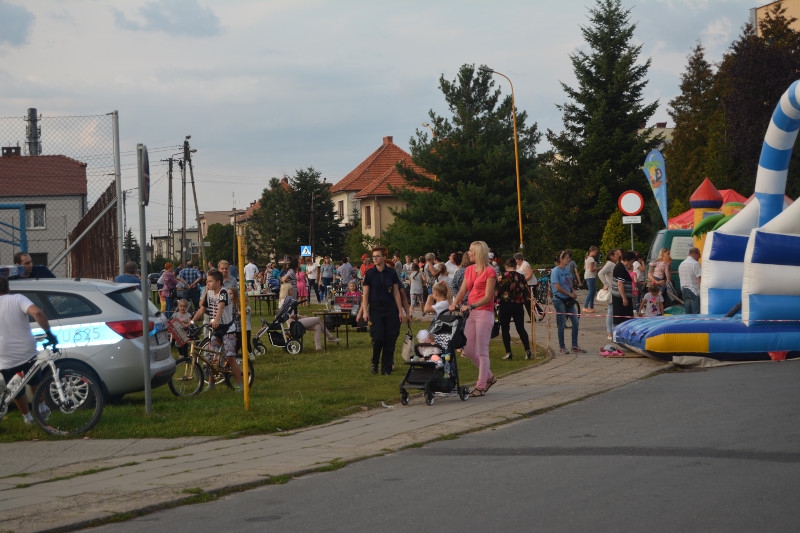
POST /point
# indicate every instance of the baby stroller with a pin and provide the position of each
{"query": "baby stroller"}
(448, 330)
(290, 338)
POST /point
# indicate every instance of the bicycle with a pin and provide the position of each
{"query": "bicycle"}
(68, 401)
(203, 367)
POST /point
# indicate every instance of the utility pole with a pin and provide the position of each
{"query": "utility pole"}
(183, 198)
(311, 227)
(200, 236)
(170, 244)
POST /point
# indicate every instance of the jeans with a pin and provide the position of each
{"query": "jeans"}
(326, 282)
(591, 284)
(691, 302)
(561, 321)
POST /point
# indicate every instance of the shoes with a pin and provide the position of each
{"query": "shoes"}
(609, 336)
(386, 373)
(374, 369)
(508, 357)
(477, 393)
(44, 411)
(239, 388)
(28, 422)
(563, 350)
(489, 384)
(528, 355)
(334, 340)
(578, 349)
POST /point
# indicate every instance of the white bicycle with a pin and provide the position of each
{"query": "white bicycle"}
(66, 402)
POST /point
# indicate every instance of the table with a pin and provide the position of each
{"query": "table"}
(271, 300)
(343, 320)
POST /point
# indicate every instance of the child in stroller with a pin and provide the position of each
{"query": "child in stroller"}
(447, 330)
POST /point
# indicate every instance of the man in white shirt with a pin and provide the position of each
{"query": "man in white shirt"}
(689, 273)
(451, 265)
(250, 273)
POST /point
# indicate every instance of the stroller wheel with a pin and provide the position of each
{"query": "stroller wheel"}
(463, 393)
(259, 349)
(429, 398)
(294, 347)
(404, 396)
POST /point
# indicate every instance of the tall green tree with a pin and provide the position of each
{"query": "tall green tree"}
(130, 247)
(221, 240)
(295, 212)
(753, 75)
(469, 191)
(600, 152)
(693, 111)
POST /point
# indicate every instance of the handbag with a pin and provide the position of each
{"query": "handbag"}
(603, 295)
(496, 325)
(408, 345)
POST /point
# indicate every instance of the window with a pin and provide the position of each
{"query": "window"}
(63, 305)
(341, 208)
(34, 217)
(367, 216)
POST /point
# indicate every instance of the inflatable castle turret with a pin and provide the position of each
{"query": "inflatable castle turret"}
(705, 201)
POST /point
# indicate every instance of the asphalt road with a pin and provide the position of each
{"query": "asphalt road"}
(710, 450)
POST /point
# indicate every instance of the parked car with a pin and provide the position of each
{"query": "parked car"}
(153, 278)
(99, 327)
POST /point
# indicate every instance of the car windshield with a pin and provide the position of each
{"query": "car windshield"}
(131, 298)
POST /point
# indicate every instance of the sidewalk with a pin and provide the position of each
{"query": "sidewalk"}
(77, 481)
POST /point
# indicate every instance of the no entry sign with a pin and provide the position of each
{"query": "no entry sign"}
(630, 203)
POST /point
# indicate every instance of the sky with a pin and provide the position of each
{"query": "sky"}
(267, 87)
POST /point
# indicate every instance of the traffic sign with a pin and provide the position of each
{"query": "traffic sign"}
(630, 203)
(305, 251)
(631, 220)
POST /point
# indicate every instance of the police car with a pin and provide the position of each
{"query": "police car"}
(99, 328)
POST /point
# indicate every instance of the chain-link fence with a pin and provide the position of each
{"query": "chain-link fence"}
(61, 170)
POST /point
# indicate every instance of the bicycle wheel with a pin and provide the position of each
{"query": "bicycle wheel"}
(78, 413)
(230, 381)
(219, 378)
(187, 379)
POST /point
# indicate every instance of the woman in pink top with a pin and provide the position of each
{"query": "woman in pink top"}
(479, 279)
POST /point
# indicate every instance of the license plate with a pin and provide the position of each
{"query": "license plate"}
(161, 337)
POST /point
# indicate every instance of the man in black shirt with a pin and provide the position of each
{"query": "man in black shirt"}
(382, 308)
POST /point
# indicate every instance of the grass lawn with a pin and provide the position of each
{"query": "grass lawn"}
(289, 392)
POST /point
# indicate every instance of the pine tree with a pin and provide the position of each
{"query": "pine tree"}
(470, 191)
(130, 247)
(600, 153)
(693, 112)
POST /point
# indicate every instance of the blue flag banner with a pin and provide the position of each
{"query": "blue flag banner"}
(656, 173)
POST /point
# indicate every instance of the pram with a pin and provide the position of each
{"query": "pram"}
(432, 377)
(290, 338)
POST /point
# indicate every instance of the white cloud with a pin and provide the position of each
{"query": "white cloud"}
(174, 17)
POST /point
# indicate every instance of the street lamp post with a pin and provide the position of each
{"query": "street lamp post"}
(516, 149)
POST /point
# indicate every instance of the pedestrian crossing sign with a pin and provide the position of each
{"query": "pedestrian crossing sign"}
(305, 251)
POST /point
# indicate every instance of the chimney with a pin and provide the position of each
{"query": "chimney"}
(387, 139)
(33, 133)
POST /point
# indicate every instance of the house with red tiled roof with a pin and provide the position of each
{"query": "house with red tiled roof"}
(53, 189)
(366, 188)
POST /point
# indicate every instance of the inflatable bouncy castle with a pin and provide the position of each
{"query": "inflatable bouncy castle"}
(750, 285)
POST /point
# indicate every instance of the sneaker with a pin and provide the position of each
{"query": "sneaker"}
(334, 340)
(44, 411)
(28, 422)
(563, 350)
(528, 355)
(239, 388)
(508, 356)
(374, 369)
(578, 349)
